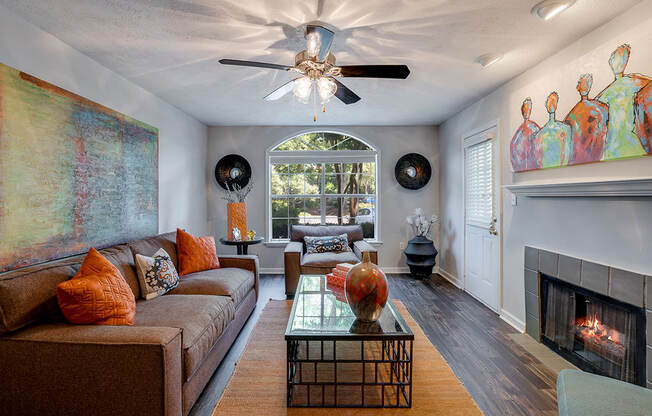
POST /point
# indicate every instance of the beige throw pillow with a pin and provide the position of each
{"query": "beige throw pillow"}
(156, 274)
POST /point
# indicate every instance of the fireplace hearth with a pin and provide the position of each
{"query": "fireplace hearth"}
(596, 316)
(596, 333)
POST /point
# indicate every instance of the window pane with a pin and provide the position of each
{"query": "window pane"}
(312, 167)
(333, 167)
(280, 228)
(369, 167)
(279, 208)
(313, 207)
(333, 207)
(367, 184)
(279, 184)
(279, 168)
(296, 168)
(296, 184)
(295, 207)
(313, 184)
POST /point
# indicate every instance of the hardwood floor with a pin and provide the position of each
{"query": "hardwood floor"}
(502, 377)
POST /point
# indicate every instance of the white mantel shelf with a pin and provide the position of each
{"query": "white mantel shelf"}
(595, 188)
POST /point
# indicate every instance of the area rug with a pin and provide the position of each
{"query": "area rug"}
(258, 383)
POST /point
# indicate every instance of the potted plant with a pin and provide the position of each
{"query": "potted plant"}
(420, 251)
(236, 211)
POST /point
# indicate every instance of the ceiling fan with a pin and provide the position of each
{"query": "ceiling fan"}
(317, 66)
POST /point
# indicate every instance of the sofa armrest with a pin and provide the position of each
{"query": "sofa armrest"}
(247, 262)
(361, 246)
(92, 369)
(292, 257)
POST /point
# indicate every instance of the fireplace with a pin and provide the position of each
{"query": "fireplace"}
(598, 317)
(595, 332)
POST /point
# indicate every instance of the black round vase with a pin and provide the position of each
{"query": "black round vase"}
(421, 254)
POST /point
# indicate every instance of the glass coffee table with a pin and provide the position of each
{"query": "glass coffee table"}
(334, 360)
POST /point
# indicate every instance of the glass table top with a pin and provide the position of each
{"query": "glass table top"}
(320, 311)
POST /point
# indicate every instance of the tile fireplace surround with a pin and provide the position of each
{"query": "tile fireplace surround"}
(628, 287)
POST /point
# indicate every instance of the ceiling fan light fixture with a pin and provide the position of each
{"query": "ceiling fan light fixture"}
(302, 88)
(326, 88)
(313, 43)
(548, 9)
(488, 59)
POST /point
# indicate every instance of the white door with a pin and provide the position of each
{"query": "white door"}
(482, 246)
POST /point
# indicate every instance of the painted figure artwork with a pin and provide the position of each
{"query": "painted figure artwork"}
(522, 148)
(643, 117)
(553, 140)
(588, 121)
(622, 140)
(73, 174)
(616, 124)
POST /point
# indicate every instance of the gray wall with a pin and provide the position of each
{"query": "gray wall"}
(182, 139)
(396, 202)
(613, 231)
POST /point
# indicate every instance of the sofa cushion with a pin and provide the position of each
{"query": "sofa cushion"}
(201, 318)
(97, 294)
(353, 232)
(30, 294)
(150, 245)
(585, 394)
(232, 282)
(123, 259)
(329, 259)
(196, 254)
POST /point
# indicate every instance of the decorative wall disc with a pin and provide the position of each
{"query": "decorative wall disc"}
(232, 170)
(412, 171)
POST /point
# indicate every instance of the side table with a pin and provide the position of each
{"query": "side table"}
(241, 245)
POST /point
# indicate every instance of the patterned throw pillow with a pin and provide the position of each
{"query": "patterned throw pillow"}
(335, 244)
(156, 274)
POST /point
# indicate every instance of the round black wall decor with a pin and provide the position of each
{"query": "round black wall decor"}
(232, 170)
(412, 171)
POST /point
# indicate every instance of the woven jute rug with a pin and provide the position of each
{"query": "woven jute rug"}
(258, 385)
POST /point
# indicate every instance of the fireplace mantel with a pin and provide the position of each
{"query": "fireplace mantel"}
(595, 188)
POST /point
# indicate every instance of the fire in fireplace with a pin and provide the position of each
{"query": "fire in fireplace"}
(595, 332)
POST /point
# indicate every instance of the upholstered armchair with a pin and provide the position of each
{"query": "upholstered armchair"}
(297, 262)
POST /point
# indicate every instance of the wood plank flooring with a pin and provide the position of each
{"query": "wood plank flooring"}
(502, 377)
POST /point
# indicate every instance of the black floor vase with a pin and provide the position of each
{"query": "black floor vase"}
(421, 254)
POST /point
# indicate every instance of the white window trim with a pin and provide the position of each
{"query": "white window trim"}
(326, 156)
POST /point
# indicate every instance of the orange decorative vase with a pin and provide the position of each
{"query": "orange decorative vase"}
(236, 214)
(366, 290)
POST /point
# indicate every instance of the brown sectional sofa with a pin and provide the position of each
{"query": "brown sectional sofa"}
(159, 366)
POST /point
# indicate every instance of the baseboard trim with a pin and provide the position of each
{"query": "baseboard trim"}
(513, 321)
(387, 270)
(448, 276)
(272, 270)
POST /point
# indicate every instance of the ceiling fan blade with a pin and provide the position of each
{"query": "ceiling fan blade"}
(344, 94)
(280, 91)
(375, 71)
(324, 39)
(254, 64)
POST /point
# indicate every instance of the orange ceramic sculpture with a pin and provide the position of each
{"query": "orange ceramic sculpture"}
(366, 290)
(236, 214)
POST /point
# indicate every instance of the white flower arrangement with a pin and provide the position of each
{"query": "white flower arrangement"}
(235, 193)
(420, 224)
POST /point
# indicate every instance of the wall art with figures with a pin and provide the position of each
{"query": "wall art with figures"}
(615, 124)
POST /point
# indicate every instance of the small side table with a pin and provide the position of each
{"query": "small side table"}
(241, 245)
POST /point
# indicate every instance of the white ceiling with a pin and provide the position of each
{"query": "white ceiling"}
(171, 48)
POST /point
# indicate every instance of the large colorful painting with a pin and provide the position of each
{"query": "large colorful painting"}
(616, 124)
(73, 174)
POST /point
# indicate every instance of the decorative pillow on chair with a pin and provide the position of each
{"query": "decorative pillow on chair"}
(195, 254)
(97, 294)
(335, 244)
(156, 274)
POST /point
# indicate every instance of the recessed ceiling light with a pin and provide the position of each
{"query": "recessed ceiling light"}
(548, 9)
(488, 59)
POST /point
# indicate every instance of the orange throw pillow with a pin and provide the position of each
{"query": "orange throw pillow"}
(97, 294)
(195, 253)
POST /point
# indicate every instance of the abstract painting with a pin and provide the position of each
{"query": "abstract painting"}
(616, 124)
(73, 173)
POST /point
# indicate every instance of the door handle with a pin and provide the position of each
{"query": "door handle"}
(493, 231)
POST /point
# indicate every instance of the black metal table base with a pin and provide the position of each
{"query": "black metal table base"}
(349, 373)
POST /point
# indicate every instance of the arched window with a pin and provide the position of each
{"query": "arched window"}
(322, 178)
